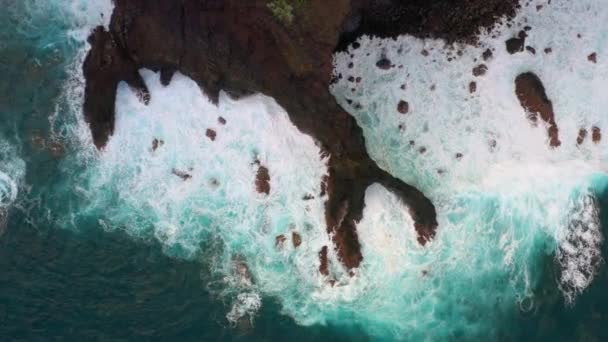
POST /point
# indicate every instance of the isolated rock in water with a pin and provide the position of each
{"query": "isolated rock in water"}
(403, 107)
(280, 241)
(181, 174)
(472, 87)
(516, 44)
(211, 134)
(592, 58)
(531, 94)
(262, 180)
(324, 263)
(296, 239)
(480, 70)
(582, 134)
(156, 143)
(596, 134)
(383, 64)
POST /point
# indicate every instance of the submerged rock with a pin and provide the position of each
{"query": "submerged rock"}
(531, 94)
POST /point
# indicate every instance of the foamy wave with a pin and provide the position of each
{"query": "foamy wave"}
(579, 252)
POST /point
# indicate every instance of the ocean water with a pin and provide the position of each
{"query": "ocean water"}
(117, 245)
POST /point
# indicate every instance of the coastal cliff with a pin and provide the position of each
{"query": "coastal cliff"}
(286, 52)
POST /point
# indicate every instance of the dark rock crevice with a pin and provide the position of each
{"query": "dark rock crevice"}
(239, 47)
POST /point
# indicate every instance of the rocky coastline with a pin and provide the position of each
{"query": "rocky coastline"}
(242, 47)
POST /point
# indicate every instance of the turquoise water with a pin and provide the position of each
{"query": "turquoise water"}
(112, 245)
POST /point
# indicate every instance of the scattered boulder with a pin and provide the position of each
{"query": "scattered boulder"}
(596, 134)
(280, 241)
(480, 70)
(548, 50)
(403, 107)
(262, 180)
(516, 44)
(308, 197)
(221, 120)
(532, 97)
(296, 239)
(472, 87)
(531, 49)
(582, 134)
(156, 143)
(592, 58)
(181, 174)
(384, 63)
(211, 134)
(487, 55)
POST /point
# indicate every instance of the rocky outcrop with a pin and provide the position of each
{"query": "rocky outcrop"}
(241, 47)
(531, 94)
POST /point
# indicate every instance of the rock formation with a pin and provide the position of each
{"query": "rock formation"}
(240, 47)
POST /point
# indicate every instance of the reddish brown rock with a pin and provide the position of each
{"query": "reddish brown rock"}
(592, 58)
(596, 134)
(480, 70)
(324, 262)
(296, 239)
(262, 180)
(211, 134)
(531, 94)
(403, 107)
(582, 134)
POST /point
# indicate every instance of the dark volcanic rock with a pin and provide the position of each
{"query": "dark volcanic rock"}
(592, 58)
(240, 47)
(582, 134)
(531, 94)
(181, 174)
(596, 134)
(472, 87)
(446, 19)
(211, 134)
(324, 262)
(516, 44)
(383, 64)
(403, 107)
(480, 70)
(262, 180)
